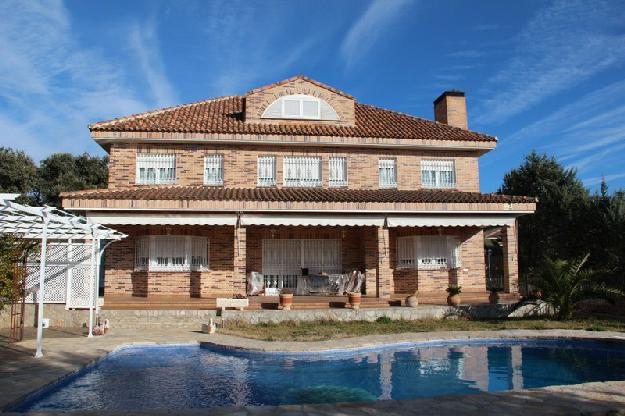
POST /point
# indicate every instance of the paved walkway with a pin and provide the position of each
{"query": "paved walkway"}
(68, 350)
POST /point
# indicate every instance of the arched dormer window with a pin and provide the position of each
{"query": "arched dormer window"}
(300, 106)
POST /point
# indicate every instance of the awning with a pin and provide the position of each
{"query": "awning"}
(450, 221)
(305, 220)
(163, 219)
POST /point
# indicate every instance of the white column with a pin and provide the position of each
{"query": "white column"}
(92, 291)
(42, 278)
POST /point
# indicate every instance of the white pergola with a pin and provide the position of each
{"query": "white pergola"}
(49, 223)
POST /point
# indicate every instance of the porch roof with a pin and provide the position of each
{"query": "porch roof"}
(292, 199)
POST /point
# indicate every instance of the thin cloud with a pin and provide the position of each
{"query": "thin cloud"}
(368, 29)
(41, 111)
(598, 179)
(563, 45)
(468, 53)
(144, 43)
(588, 134)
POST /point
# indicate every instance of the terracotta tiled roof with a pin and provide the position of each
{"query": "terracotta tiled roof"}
(294, 195)
(225, 115)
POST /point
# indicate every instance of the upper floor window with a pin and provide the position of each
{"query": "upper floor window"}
(213, 170)
(300, 106)
(156, 168)
(427, 252)
(266, 171)
(302, 171)
(388, 173)
(338, 171)
(438, 173)
(171, 253)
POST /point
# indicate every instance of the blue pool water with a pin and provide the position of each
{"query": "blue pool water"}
(190, 376)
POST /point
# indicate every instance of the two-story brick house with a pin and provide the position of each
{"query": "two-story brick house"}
(297, 175)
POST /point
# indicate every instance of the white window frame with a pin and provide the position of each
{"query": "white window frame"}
(427, 252)
(264, 165)
(338, 171)
(214, 162)
(438, 173)
(172, 253)
(163, 166)
(299, 171)
(387, 180)
(300, 98)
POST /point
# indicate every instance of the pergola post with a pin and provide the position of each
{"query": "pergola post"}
(42, 278)
(92, 298)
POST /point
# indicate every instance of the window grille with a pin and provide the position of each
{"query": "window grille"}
(156, 168)
(388, 173)
(213, 170)
(338, 171)
(302, 171)
(438, 174)
(171, 253)
(283, 259)
(427, 252)
(266, 171)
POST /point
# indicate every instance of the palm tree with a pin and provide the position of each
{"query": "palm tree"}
(564, 282)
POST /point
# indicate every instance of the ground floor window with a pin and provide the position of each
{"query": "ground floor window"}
(171, 253)
(427, 252)
(285, 259)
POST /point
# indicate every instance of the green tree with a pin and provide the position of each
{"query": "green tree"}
(12, 251)
(18, 173)
(553, 231)
(63, 172)
(563, 283)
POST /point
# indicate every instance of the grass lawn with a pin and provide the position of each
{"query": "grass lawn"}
(322, 330)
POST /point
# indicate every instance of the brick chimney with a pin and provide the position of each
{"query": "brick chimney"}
(451, 108)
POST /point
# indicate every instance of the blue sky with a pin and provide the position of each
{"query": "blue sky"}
(539, 75)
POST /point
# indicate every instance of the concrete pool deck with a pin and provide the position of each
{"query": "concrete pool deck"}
(66, 351)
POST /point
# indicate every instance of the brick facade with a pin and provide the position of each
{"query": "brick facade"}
(235, 252)
(240, 164)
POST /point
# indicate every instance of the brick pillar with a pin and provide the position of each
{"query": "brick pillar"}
(371, 261)
(510, 259)
(239, 280)
(379, 276)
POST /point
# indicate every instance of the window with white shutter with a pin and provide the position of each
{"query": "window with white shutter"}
(438, 173)
(338, 171)
(388, 173)
(302, 171)
(266, 171)
(171, 253)
(213, 170)
(427, 252)
(156, 169)
(300, 106)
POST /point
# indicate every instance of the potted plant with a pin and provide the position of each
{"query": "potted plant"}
(412, 301)
(355, 299)
(453, 299)
(286, 299)
(493, 298)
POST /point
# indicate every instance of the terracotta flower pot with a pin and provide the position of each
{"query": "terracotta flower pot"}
(493, 298)
(412, 301)
(286, 300)
(355, 299)
(453, 300)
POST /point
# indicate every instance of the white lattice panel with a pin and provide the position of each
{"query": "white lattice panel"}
(68, 275)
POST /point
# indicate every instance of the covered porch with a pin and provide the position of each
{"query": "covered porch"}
(396, 256)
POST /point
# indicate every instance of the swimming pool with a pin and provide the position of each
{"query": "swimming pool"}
(193, 376)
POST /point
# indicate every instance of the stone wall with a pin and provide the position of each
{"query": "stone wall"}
(58, 315)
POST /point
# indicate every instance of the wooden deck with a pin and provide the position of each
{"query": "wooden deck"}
(299, 302)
